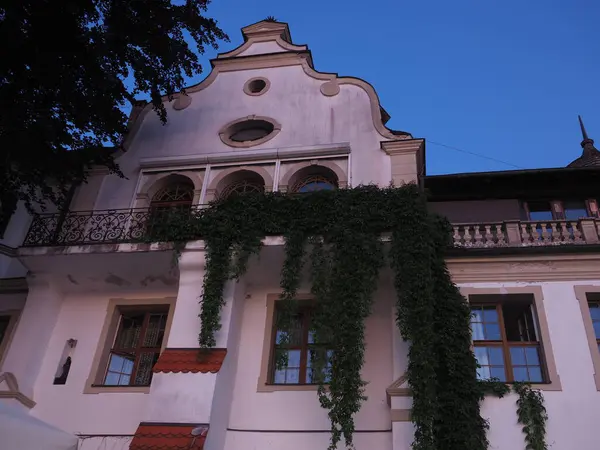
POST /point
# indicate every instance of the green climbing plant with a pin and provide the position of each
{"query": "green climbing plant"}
(342, 239)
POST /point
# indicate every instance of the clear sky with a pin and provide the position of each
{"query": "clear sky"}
(504, 79)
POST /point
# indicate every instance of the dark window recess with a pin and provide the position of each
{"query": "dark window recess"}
(62, 378)
(302, 352)
(506, 341)
(256, 86)
(575, 209)
(4, 321)
(540, 211)
(136, 348)
(250, 130)
(8, 206)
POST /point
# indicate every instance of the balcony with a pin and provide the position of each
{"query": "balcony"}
(118, 226)
(525, 233)
(137, 226)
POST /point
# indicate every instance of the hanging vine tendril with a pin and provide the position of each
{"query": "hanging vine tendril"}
(343, 230)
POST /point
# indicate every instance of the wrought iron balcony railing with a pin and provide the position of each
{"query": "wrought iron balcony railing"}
(139, 225)
(97, 227)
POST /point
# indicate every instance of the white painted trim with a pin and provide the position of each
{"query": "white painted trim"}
(276, 175)
(244, 156)
(204, 184)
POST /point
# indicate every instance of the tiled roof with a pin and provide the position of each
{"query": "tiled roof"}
(190, 360)
(167, 437)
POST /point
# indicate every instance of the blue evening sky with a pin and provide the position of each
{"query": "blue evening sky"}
(504, 79)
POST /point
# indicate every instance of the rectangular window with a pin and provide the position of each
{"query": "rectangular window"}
(540, 211)
(506, 341)
(595, 315)
(136, 347)
(300, 348)
(575, 209)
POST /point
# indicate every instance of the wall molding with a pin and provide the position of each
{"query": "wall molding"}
(531, 269)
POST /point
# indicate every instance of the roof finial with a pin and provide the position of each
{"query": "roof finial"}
(583, 132)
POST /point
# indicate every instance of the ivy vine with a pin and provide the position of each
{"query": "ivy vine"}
(340, 232)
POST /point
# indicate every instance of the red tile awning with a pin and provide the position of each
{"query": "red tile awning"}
(163, 436)
(192, 360)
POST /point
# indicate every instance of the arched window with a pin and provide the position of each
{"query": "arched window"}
(175, 195)
(242, 182)
(314, 178)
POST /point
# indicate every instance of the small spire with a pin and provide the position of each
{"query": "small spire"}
(583, 132)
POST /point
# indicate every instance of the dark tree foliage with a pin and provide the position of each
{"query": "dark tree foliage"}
(68, 69)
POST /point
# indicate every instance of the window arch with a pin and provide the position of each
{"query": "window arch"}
(179, 194)
(239, 183)
(313, 178)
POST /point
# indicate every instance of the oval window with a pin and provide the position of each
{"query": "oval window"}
(249, 132)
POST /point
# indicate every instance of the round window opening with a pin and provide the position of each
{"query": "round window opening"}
(250, 130)
(257, 86)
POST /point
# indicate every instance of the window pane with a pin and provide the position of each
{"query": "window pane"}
(575, 210)
(532, 356)
(520, 374)
(129, 333)
(491, 360)
(597, 329)
(595, 311)
(112, 379)
(492, 332)
(476, 315)
(279, 377)
(121, 364)
(535, 375)
(499, 373)
(483, 373)
(539, 211)
(490, 314)
(496, 356)
(295, 333)
(292, 376)
(477, 331)
(517, 356)
(481, 355)
(155, 330)
(144, 369)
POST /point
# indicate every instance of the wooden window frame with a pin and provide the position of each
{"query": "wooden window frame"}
(582, 294)
(267, 363)
(139, 349)
(307, 308)
(553, 382)
(506, 345)
(94, 383)
(557, 208)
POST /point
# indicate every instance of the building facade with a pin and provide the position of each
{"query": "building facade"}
(98, 330)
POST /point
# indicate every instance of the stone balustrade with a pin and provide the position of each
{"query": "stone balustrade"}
(516, 233)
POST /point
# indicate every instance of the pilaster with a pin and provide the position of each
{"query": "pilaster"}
(407, 159)
(36, 324)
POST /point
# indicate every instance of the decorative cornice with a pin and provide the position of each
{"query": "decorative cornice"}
(190, 360)
(401, 147)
